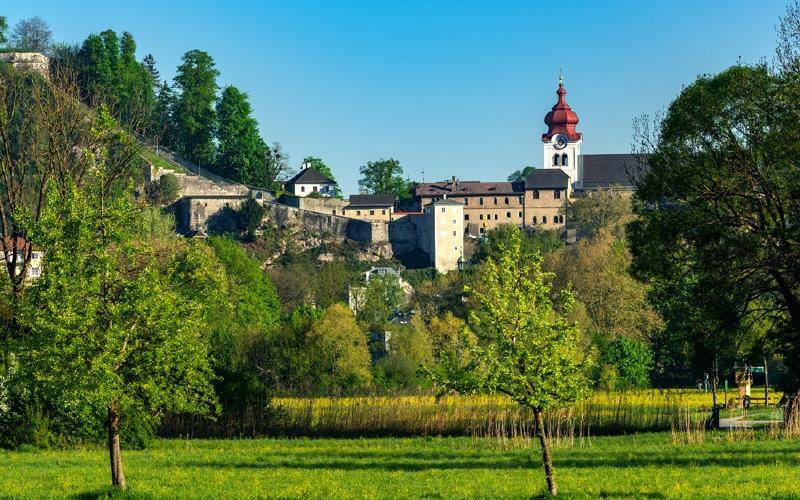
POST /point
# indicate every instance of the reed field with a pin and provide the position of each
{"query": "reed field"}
(602, 413)
(647, 465)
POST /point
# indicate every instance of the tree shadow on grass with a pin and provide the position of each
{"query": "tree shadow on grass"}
(110, 492)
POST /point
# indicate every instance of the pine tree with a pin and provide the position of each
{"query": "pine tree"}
(149, 63)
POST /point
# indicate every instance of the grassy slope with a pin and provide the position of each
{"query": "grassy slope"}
(633, 466)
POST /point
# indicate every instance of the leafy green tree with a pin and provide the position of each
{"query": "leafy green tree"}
(240, 149)
(195, 115)
(96, 72)
(526, 349)
(632, 360)
(165, 190)
(607, 210)
(251, 217)
(384, 177)
(338, 351)
(718, 220)
(520, 175)
(533, 242)
(382, 296)
(410, 351)
(109, 323)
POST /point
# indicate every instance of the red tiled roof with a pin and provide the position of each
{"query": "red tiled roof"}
(467, 188)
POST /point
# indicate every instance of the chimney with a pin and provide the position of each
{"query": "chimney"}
(306, 164)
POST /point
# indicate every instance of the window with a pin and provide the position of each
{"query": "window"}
(556, 158)
(506, 200)
(334, 211)
(358, 212)
(383, 212)
(495, 201)
(315, 189)
(466, 216)
(466, 201)
(442, 209)
(34, 255)
(481, 216)
(556, 194)
(495, 216)
(454, 233)
(534, 219)
(302, 189)
(372, 212)
(34, 272)
(480, 201)
(520, 200)
(520, 214)
(455, 221)
(482, 230)
(565, 159)
(544, 219)
(535, 194)
(508, 215)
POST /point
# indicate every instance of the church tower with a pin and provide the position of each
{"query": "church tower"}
(562, 143)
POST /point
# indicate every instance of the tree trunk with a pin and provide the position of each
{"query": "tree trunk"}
(546, 458)
(117, 474)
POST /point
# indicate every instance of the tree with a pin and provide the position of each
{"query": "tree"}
(195, 115)
(32, 34)
(3, 30)
(320, 166)
(533, 242)
(110, 323)
(600, 210)
(409, 353)
(149, 63)
(338, 350)
(163, 127)
(520, 175)
(382, 296)
(526, 349)
(165, 190)
(251, 216)
(631, 360)
(718, 211)
(240, 149)
(275, 166)
(384, 177)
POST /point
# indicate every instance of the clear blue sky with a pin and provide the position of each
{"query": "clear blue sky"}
(448, 87)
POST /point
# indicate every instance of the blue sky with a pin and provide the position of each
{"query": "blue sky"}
(446, 87)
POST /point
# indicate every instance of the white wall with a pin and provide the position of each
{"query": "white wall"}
(573, 151)
(307, 189)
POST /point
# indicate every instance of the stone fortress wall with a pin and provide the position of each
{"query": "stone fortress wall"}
(27, 61)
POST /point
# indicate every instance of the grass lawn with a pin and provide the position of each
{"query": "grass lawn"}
(644, 465)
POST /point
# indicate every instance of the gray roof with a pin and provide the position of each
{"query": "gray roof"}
(621, 170)
(445, 201)
(310, 175)
(547, 178)
(372, 200)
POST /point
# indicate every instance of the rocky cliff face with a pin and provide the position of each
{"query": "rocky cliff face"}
(27, 61)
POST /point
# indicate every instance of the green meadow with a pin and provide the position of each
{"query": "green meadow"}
(633, 466)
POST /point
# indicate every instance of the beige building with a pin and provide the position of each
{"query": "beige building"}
(379, 207)
(15, 251)
(444, 234)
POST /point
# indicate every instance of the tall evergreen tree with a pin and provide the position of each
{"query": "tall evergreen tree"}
(95, 73)
(194, 111)
(240, 150)
(149, 63)
(163, 127)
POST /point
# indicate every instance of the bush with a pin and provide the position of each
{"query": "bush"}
(632, 360)
(165, 190)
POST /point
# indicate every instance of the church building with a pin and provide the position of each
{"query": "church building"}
(541, 199)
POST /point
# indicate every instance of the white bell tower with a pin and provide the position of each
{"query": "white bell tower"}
(562, 143)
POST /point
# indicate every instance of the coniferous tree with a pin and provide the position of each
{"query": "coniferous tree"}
(163, 127)
(195, 115)
(149, 63)
(240, 150)
(3, 29)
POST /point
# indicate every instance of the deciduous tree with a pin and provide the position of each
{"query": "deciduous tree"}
(32, 34)
(384, 177)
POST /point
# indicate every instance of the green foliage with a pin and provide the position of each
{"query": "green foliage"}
(717, 229)
(382, 296)
(338, 352)
(384, 177)
(3, 30)
(251, 216)
(195, 115)
(240, 149)
(630, 361)
(165, 190)
(600, 210)
(520, 175)
(321, 167)
(533, 242)
(410, 351)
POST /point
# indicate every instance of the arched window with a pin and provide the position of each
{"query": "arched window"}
(565, 159)
(556, 158)
(544, 219)
(506, 200)
(534, 219)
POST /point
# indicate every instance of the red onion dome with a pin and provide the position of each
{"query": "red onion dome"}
(561, 119)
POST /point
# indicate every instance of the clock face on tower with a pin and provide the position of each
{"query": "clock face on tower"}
(561, 141)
